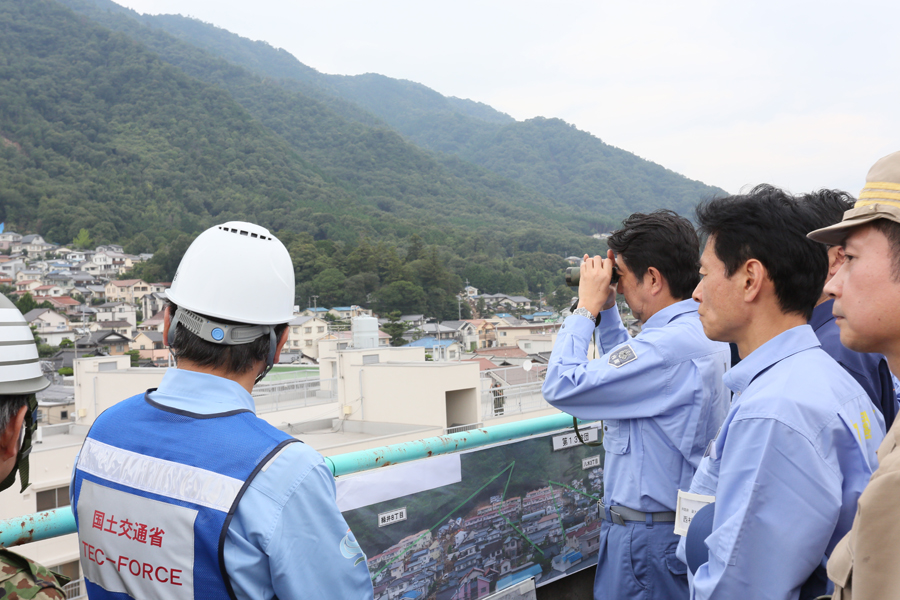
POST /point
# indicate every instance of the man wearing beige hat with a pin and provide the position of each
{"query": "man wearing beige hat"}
(866, 290)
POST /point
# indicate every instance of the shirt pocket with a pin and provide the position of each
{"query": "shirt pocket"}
(615, 436)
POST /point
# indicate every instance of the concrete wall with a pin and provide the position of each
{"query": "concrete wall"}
(417, 393)
(103, 381)
(509, 336)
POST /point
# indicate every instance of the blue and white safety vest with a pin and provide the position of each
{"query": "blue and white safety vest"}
(152, 510)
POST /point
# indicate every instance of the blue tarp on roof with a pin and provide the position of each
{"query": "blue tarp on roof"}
(430, 342)
(509, 580)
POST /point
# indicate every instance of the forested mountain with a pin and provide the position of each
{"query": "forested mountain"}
(99, 133)
(546, 155)
(112, 124)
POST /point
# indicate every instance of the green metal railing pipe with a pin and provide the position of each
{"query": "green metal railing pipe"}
(36, 527)
(61, 521)
(364, 460)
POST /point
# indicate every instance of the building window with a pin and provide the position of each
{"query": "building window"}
(296, 329)
(54, 498)
(320, 329)
(502, 334)
(307, 329)
(63, 414)
(370, 359)
(309, 342)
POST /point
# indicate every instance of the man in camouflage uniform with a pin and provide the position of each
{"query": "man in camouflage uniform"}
(20, 380)
(23, 578)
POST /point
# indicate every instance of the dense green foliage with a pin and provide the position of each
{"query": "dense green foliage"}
(546, 155)
(98, 134)
(146, 130)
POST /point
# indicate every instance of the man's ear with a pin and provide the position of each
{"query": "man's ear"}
(282, 340)
(654, 279)
(754, 275)
(167, 322)
(9, 438)
(836, 256)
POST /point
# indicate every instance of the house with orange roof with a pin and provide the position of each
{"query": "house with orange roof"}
(486, 331)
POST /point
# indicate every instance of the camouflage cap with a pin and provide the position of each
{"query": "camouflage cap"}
(879, 199)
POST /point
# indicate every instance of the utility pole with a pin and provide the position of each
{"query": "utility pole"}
(315, 305)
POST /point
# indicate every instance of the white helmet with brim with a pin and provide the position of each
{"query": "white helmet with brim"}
(20, 367)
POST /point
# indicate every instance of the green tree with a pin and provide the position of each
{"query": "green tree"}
(66, 343)
(561, 298)
(416, 248)
(395, 328)
(402, 296)
(26, 303)
(329, 286)
(83, 239)
(480, 308)
(135, 357)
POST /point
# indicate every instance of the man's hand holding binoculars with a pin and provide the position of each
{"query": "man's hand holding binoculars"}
(597, 283)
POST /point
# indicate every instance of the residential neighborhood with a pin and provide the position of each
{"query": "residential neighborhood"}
(545, 534)
(83, 303)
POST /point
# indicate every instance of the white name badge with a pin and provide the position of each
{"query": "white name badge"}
(687, 507)
(135, 545)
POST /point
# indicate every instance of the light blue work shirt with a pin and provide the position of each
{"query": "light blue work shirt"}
(285, 538)
(795, 452)
(660, 396)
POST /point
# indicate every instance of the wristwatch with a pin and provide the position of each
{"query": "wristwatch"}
(584, 313)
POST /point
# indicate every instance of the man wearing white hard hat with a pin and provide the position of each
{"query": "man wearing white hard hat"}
(866, 292)
(20, 380)
(182, 492)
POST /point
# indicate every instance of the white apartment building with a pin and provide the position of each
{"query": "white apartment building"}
(304, 334)
(117, 311)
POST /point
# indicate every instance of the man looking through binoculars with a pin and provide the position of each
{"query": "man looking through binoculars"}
(660, 395)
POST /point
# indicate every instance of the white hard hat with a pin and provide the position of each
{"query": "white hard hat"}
(20, 368)
(238, 272)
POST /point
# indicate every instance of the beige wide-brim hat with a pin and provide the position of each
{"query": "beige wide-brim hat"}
(879, 199)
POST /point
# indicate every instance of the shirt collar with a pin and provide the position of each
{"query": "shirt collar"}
(788, 343)
(669, 313)
(822, 314)
(201, 393)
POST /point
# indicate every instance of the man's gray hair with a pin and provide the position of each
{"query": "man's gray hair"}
(9, 406)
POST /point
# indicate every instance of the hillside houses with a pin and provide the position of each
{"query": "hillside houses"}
(90, 286)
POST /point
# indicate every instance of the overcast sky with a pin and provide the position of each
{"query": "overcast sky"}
(799, 94)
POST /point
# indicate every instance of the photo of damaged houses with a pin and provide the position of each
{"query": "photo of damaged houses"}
(537, 517)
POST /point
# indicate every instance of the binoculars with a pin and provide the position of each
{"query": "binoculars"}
(573, 276)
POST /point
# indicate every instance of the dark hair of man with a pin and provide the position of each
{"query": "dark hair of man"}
(891, 230)
(771, 226)
(664, 240)
(9, 406)
(236, 359)
(827, 207)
